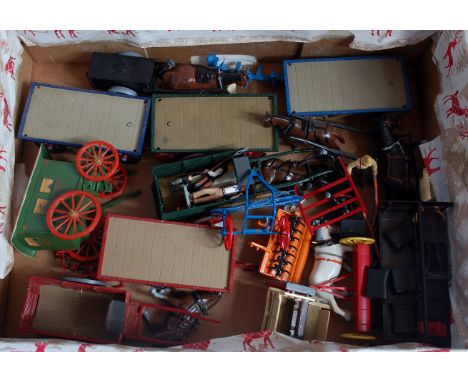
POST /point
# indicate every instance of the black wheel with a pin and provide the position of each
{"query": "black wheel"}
(55, 149)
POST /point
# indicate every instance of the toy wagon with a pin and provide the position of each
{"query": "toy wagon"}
(156, 252)
(90, 312)
(206, 123)
(346, 85)
(60, 207)
(61, 116)
(170, 205)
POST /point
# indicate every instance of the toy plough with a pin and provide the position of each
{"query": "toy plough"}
(265, 220)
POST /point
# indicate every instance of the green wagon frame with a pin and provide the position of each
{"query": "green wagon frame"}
(245, 121)
(164, 172)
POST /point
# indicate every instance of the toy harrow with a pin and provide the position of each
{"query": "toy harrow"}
(265, 220)
(286, 254)
(339, 199)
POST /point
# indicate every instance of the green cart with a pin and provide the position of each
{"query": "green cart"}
(60, 207)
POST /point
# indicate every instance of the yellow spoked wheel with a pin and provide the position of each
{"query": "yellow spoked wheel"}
(355, 240)
(358, 336)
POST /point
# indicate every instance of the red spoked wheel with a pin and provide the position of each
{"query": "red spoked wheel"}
(118, 181)
(90, 248)
(97, 161)
(229, 233)
(73, 215)
(283, 232)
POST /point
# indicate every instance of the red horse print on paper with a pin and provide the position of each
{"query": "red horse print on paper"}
(449, 53)
(10, 67)
(25, 32)
(428, 158)
(2, 168)
(71, 33)
(201, 345)
(3, 210)
(82, 347)
(6, 111)
(125, 32)
(388, 33)
(41, 346)
(463, 133)
(248, 338)
(455, 108)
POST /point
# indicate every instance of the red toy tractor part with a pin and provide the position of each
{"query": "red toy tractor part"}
(229, 237)
(97, 161)
(327, 194)
(362, 304)
(284, 231)
(118, 181)
(70, 264)
(90, 248)
(73, 215)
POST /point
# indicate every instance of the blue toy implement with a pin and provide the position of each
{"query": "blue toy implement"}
(266, 221)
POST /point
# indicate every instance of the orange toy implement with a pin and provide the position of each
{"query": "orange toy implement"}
(284, 258)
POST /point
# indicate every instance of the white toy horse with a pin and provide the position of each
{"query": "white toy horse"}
(327, 266)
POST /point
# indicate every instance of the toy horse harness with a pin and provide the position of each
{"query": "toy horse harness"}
(308, 127)
(281, 171)
(321, 134)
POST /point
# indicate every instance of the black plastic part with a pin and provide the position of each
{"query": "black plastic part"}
(377, 283)
(418, 304)
(106, 70)
(242, 169)
(404, 318)
(400, 236)
(404, 279)
(115, 318)
(352, 227)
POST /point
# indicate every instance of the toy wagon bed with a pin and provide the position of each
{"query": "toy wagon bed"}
(346, 85)
(196, 123)
(72, 117)
(156, 252)
(89, 312)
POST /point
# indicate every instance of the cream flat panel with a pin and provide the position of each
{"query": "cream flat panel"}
(79, 117)
(73, 312)
(317, 86)
(191, 122)
(165, 253)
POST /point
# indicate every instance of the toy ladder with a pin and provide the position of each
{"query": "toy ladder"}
(331, 191)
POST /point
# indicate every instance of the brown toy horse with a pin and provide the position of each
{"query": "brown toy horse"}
(308, 129)
(196, 77)
(276, 170)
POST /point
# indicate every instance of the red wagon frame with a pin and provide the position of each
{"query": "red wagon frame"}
(232, 259)
(132, 326)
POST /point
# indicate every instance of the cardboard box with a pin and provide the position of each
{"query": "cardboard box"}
(242, 310)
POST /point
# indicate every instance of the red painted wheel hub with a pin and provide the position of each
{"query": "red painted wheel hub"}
(97, 161)
(73, 215)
